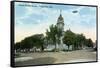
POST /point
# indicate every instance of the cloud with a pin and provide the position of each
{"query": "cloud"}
(33, 20)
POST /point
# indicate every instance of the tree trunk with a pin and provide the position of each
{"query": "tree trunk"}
(68, 47)
(42, 48)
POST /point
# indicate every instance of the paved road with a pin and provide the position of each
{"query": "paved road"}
(56, 57)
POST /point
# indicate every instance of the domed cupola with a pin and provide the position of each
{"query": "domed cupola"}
(60, 22)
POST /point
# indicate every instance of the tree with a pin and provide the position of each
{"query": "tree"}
(89, 43)
(69, 38)
(59, 34)
(39, 41)
(27, 43)
(79, 41)
(51, 35)
(17, 46)
(47, 37)
(36, 40)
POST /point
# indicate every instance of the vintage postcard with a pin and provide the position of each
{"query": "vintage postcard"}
(53, 33)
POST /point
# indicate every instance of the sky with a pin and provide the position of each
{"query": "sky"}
(35, 18)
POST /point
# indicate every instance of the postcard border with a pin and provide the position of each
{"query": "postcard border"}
(12, 61)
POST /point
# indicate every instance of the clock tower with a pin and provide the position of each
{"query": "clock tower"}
(60, 28)
(60, 23)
